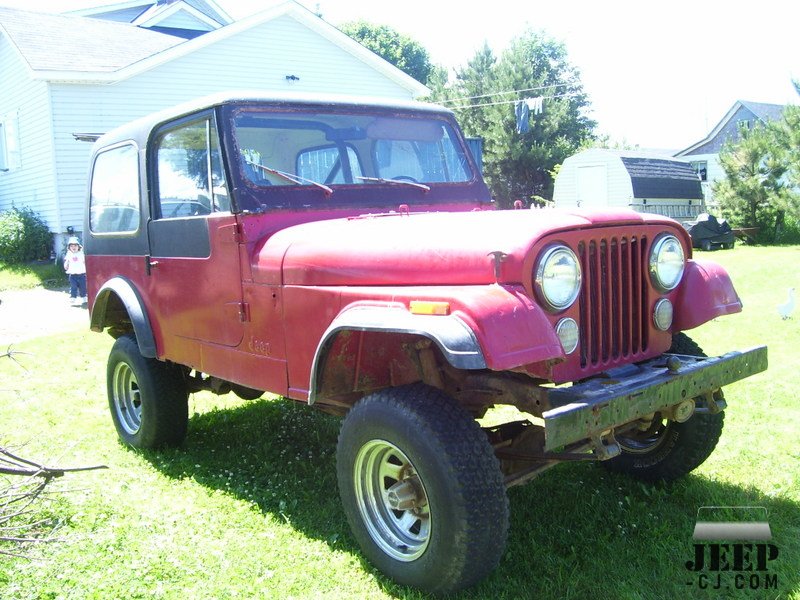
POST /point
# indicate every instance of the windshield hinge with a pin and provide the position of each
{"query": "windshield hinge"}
(244, 312)
(230, 233)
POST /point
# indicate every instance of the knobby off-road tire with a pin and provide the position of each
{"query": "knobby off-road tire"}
(669, 450)
(148, 398)
(422, 489)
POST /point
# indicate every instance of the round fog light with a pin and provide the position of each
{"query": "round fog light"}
(567, 332)
(662, 314)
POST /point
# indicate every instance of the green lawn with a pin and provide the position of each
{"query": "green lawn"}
(249, 507)
(23, 277)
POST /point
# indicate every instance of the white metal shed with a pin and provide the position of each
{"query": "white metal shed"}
(599, 178)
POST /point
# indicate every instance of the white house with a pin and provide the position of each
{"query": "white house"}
(704, 155)
(64, 78)
(600, 178)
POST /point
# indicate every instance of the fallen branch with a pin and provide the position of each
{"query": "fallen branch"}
(17, 499)
(11, 353)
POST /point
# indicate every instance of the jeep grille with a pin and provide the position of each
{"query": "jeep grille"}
(613, 300)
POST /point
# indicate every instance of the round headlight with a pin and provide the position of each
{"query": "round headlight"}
(666, 263)
(558, 277)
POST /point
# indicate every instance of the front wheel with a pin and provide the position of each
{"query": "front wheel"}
(664, 450)
(422, 489)
(148, 398)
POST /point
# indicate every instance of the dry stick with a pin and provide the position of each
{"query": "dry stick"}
(25, 493)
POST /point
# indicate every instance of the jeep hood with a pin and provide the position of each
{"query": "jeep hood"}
(419, 249)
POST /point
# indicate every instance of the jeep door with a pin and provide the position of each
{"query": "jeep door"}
(195, 280)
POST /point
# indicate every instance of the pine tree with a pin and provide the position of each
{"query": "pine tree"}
(520, 165)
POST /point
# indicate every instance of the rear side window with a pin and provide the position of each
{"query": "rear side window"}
(190, 178)
(114, 199)
(326, 166)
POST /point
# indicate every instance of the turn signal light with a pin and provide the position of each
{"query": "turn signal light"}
(425, 307)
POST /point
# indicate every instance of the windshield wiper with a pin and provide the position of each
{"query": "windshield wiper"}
(415, 184)
(292, 177)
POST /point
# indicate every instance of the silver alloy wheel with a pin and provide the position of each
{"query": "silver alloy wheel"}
(392, 500)
(127, 398)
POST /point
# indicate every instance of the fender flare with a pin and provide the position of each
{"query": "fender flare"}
(454, 338)
(132, 301)
(706, 292)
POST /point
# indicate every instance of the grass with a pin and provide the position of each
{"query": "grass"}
(248, 507)
(27, 276)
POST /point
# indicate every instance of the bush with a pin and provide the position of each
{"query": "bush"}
(24, 236)
(789, 231)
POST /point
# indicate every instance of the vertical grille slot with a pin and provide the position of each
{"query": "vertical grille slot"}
(613, 301)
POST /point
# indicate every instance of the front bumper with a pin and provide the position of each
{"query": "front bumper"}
(594, 408)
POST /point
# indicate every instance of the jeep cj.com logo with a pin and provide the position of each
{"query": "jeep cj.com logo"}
(743, 561)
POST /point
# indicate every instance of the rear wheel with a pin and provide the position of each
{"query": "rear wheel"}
(422, 489)
(665, 450)
(148, 398)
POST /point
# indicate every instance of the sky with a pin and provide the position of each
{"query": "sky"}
(658, 74)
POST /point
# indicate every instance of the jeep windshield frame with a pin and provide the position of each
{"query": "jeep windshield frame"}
(359, 152)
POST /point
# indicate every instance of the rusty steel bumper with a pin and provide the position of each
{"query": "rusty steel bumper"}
(591, 409)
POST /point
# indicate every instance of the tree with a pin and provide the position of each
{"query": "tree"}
(787, 140)
(754, 192)
(403, 52)
(520, 165)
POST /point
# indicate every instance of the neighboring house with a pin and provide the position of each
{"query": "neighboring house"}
(66, 78)
(600, 178)
(704, 155)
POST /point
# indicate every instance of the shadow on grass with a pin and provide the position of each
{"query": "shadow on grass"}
(40, 273)
(576, 532)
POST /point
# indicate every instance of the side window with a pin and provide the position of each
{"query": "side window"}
(324, 165)
(114, 198)
(189, 169)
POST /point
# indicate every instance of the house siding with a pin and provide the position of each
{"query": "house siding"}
(183, 20)
(32, 183)
(262, 57)
(714, 173)
(729, 132)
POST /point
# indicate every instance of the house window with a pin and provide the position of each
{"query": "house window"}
(114, 199)
(9, 143)
(743, 124)
(701, 168)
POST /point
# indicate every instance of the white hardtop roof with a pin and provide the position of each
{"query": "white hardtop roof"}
(135, 129)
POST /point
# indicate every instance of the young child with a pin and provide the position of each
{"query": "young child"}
(75, 266)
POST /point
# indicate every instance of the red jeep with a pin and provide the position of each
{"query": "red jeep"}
(347, 254)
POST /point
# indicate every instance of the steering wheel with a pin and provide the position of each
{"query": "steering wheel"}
(405, 178)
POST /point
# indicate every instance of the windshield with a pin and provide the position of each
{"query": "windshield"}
(326, 150)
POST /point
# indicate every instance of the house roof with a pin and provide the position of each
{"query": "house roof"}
(85, 50)
(764, 112)
(157, 9)
(64, 43)
(662, 178)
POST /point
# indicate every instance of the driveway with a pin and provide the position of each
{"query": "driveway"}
(26, 314)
